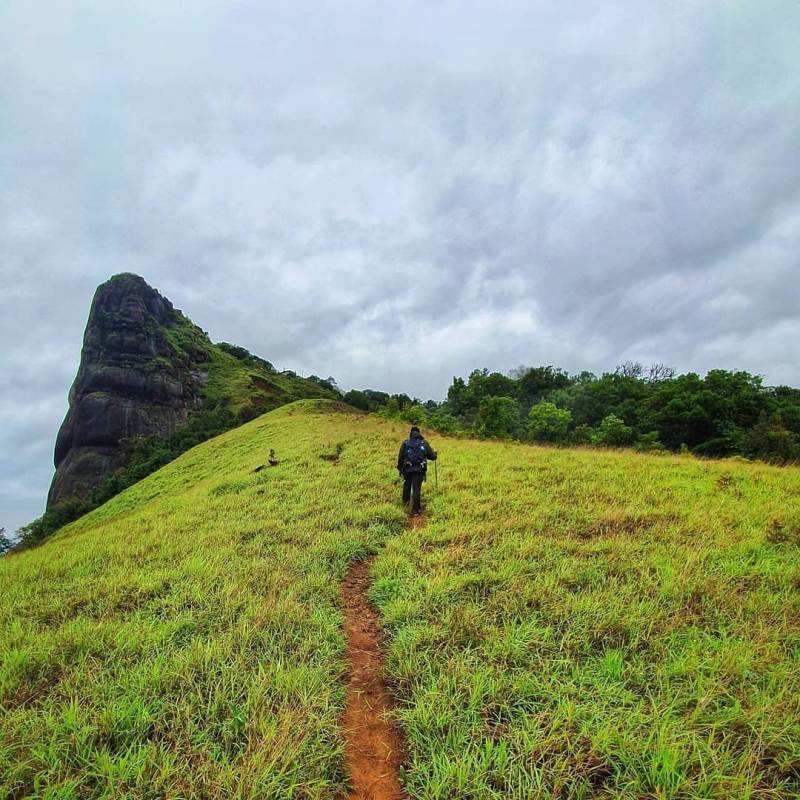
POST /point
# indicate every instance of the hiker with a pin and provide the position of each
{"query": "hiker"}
(412, 464)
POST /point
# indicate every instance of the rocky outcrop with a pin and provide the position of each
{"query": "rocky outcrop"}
(141, 371)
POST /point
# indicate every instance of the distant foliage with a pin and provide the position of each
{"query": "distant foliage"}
(498, 418)
(245, 355)
(548, 423)
(356, 399)
(613, 432)
(648, 442)
(444, 422)
(5, 543)
(772, 441)
(727, 413)
(582, 435)
(328, 383)
(414, 414)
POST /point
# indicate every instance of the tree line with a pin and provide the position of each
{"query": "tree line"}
(725, 413)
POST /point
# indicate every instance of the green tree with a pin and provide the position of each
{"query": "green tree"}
(582, 435)
(5, 543)
(458, 398)
(392, 407)
(498, 418)
(403, 400)
(772, 441)
(534, 382)
(648, 442)
(356, 399)
(613, 432)
(621, 395)
(547, 423)
(679, 410)
(416, 414)
(443, 422)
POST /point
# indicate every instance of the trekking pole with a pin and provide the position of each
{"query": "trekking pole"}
(436, 473)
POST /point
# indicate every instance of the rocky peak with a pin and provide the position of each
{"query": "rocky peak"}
(140, 374)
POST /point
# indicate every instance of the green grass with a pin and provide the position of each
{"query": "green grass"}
(231, 383)
(569, 623)
(589, 623)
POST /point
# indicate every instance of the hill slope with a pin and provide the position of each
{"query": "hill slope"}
(568, 624)
(146, 369)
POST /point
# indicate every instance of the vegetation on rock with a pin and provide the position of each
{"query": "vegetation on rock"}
(150, 385)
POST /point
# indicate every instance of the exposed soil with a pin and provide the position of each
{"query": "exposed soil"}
(417, 522)
(373, 747)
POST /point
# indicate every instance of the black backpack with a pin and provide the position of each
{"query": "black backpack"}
(416, 453)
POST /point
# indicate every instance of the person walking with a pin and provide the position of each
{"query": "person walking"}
(412, 464)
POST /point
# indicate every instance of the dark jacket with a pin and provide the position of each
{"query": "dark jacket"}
(406, 468)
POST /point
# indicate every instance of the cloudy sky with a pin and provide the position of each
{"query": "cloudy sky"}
(396, 193)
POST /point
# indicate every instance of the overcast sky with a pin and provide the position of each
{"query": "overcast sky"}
(396, 193)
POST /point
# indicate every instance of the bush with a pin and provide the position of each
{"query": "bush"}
(547, 423)
(444, 423)
(582, 435)
(356, 399)
(613, 432)
(772, 442)
(415, 415)
(648, 442)
(247, 413)
(55, 517)
(498, 417)
(245, 356)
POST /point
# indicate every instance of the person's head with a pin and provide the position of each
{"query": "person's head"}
(415, 431)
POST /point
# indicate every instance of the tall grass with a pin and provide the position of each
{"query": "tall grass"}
(580, 624)
(568, 624)
(184, 639)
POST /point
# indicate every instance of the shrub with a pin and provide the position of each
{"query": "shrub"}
(415, 415)
(498, 417)
(613, 432)
(582, 435)
(247, 413)
(771, 441)
(444, 423)
(648, 442)
(547, 423)
(356, 399)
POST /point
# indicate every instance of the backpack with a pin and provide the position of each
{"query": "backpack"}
(416, 452)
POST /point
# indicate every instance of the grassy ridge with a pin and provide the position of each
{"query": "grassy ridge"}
(568, 624)
(233, 384)
(183, 639)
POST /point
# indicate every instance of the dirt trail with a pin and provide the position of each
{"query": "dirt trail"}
(373, 745)
(420, 521)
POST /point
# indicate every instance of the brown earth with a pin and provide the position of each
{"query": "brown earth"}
(417, 522)
(373, 745)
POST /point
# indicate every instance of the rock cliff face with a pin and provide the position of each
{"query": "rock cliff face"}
(141, 371)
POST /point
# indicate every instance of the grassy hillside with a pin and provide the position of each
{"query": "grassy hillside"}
(233, 387)
(231, 382)
(569, 623)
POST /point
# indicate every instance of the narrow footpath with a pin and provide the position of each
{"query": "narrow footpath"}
(373, 745)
